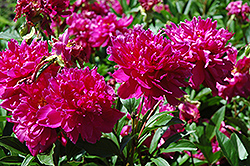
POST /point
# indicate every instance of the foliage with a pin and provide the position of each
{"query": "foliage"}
(215, 130)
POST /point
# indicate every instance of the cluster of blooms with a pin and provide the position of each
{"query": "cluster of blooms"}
(43, 11)
(240, 11)
(239, 84)
(90, 29)
(207, 51)
(149, 65)
(77, 102)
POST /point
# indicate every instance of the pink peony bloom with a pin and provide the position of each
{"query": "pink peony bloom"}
(18, 63)
(148, 4)
(239, 84)
(80, 102)
(207, 51)
(149, 65)
(189, 112)
(24, 116)
(239, 10)
(43, 11)
(89, 33)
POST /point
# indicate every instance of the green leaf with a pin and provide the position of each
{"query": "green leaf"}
(239, 146)
(228, 148)
(180, 146)
(238, 122)
(14, 145)
(156, 138)
(45, 158)
(131, 104)
(174, 138)
(71, 150)
(7, 35)
(160, 161)
(3, 118)
(206, 148)
(102, 148)
(10, 160)
(125, 141)
(202, 93)
(187, 8)
(215, 122)
(27, 161)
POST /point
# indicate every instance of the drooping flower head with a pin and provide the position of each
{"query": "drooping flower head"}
(43, 11)
(18, 62)
(239, 84)
(208, 47)
(80, 103)
(240, 11)
(148, 65)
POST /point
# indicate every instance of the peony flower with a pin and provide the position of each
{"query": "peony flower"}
(189, 111)
(24, 116)
(148, 65)
(43, 11)
(18, 63)
(90, 33)
(148, 4)
(104, 27)
(240, 11)
(161, 7)
(80, 102)
(207, 51)
(239, 84)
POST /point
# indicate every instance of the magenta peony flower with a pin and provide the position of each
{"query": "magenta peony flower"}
(24, 116)
(189, 111)
(149, 65)
(207, 51)
(148, 4)
(94, 32)
(43, 11)
(18, 63)
(80, 102)
(239, 84)
(161, 7)
(104, 27)
(239, 10)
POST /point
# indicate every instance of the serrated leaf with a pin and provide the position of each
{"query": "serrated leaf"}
(180, 146)
(102, 148)
(160, 161)
(14, 145)
(228, 148)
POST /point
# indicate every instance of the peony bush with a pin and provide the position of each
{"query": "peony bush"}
(125, 82)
